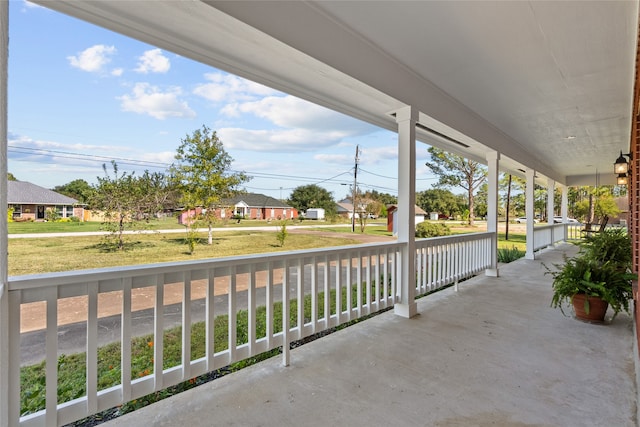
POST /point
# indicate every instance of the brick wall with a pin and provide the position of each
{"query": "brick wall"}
(634, 188)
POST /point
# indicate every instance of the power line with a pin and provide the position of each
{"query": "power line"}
(147, 163)
(81, 156)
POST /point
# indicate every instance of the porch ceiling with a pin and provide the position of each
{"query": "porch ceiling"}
(547, 84)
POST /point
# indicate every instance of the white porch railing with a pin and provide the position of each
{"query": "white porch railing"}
(368, 273)
(442, 261)
(546, 235)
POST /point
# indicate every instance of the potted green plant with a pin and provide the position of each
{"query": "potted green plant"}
(597, 277)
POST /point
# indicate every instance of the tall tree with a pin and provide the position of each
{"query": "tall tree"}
(312, 196)
(158, 192)
(118, 198)
(456, 171)
(510, 183)
(202, 173)
(438, 200)
(78, 189)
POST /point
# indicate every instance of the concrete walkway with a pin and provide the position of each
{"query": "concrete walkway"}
(492, 354)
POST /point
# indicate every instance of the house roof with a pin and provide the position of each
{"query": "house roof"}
(26, 193)
(256, 200)
(419, 210)
(344, 207)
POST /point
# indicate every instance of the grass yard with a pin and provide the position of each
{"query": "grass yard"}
(53, 254)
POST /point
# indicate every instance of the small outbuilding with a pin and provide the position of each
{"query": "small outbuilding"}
(392, 211)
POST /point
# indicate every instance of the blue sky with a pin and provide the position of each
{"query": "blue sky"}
(80, 96)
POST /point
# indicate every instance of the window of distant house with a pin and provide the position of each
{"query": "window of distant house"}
(284, 213)
(273, 213)
(17, 211)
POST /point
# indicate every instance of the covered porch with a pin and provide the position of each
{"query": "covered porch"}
(491, 353)
(553, 105)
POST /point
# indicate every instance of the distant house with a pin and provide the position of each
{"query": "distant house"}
(392, 212)
(344, 208)
(31, 202)
(257, 206)
(247, 206)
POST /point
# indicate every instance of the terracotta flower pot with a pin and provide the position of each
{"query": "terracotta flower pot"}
(597, 308)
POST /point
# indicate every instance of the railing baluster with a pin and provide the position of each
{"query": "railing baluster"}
(314, 295)
(338, 290)
(300, 294)
(285, 314)
(269, 302)
(377, 276)
(210, 319)
(125, 340)
(186, 326)
(92, 348)
(251, 306)
(349, 285)
(51, 368)
(359, 301)
(233, 314)
(327, 293)
(158, 333)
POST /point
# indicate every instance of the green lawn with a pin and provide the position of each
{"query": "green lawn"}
(51, 254)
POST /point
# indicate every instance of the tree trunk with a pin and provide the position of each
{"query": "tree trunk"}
(210, 236)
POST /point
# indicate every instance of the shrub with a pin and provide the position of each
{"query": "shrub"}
(432, 229)
(507, 255)
(282, 232)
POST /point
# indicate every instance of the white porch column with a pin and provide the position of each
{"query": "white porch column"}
(551, 188)
(529, 211)
(5, 387)
(493, 162)
(406, 213)
(564, 204)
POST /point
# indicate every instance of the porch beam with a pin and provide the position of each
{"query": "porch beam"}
(529, 211)
(406, 118)
(493, 162)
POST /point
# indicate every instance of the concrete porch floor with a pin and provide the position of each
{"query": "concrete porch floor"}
(492, 354)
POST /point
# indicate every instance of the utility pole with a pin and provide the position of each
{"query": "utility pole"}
(355, 187)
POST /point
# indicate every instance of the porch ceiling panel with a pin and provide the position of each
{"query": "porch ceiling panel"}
(548, 84)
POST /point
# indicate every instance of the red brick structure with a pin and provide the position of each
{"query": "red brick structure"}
(634, 186)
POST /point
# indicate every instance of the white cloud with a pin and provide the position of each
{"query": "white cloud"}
(291, 112)
(93, 59)
(117, 72)
(276, 140)
(334, 159)
(33, 144)
(229, 89)
(147, 99)
(375, 155)
(153, 61)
